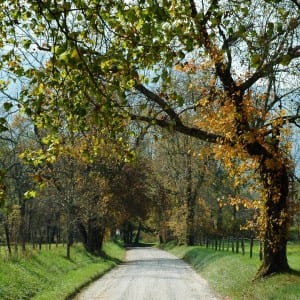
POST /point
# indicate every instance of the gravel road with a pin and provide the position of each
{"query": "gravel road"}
(149, 274)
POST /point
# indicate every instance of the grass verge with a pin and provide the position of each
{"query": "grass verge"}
(231, 275)
(48, 274)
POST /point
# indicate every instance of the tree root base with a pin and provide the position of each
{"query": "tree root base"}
(268, 270)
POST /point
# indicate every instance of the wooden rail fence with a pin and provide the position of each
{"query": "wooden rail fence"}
(241, 245)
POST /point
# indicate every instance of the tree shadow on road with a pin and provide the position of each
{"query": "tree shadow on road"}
(139, 245)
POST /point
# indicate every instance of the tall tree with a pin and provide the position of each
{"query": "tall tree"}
(180, 170)
(16, 178)
(104, 60)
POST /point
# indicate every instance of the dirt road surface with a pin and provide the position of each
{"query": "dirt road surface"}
(149, 274)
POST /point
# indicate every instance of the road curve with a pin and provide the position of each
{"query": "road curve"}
(149, 274)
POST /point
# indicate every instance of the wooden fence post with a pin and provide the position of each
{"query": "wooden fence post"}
(243, 246)
(251, 247)
(237, 245)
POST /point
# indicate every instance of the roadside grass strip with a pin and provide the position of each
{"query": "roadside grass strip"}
(48, 274)
(231, 275)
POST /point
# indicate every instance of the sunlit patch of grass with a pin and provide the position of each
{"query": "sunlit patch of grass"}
(231, 275)
(48, 274)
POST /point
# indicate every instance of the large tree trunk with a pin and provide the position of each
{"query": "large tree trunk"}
(95, 239)
(92, 236)
(276, 184)
(138, 234)
(128, 232)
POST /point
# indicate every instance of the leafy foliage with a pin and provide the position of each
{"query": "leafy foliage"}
(85, 63)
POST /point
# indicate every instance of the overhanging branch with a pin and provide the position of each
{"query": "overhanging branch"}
(187, 130)
(265, 69)
(161, 102)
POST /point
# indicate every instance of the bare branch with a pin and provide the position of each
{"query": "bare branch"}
(265, 69)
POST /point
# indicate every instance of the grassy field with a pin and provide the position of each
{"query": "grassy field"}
(47, 274)
(231, 275)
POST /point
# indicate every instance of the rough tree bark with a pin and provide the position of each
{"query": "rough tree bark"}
(276, 184)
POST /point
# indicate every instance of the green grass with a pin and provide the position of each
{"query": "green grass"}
(231, 275)
(48, 274)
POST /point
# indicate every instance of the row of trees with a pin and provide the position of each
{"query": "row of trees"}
(199, 198)
(72, 196)
(167, 190)
(174, 189)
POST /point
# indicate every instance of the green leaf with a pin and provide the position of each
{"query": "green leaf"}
(279, 28)
(66, 5)
(215, 21)
(270, 25)
(2, 120)
(3, 128)
(189, 44)
(57, 50)
(242, 29)
(130, 83)
(155, 79)
(7, 106)
(245, 11)
(26, 44)
(30, 194)
(164, 74)
(255, 60)
(180, 100)
(285, 60)
(64, 57)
